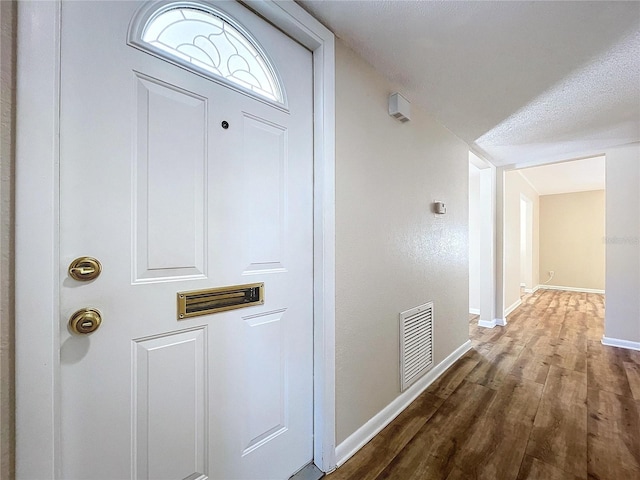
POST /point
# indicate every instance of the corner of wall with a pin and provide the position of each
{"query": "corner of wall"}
(622, 207)
(8, 19)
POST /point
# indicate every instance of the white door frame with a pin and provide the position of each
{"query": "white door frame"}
(528, 240)
(37, 236)
(488, 242)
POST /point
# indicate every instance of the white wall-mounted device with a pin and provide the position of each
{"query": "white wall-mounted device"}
(399, 107)
(439, 208)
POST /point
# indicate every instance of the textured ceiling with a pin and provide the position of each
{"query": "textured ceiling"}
(566, 177)
(523, 83)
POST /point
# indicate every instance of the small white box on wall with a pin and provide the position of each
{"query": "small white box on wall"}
(399, 107)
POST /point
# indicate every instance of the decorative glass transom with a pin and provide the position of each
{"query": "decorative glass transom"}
(212, 44)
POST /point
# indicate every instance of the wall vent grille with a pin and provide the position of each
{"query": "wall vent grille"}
(416, 344)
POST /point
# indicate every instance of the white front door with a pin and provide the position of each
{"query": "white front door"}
(175, 183)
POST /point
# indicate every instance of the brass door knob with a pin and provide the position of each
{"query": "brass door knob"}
(85, 320)
(84, 269)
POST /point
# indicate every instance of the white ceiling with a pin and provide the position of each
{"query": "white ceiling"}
(567, 177)
(523, 83)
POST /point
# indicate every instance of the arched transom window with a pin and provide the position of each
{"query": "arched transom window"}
(201, 39)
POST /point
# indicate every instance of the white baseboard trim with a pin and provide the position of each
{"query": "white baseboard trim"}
(474, 311)
(529, 290)
(571, 289)
(515, 305)
(364, 434)
(487, 323)
(616, 342)
(500, 322)
(536, 288)
(523, 284)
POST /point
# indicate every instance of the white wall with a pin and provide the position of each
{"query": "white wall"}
(526, 243)
(474, 239)
(523, 242)
(622, 316)
(514, 187)
(392, 252)
(491, 193)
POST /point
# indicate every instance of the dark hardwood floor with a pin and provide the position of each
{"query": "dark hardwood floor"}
(541, 398)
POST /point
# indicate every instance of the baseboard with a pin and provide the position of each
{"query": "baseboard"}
(529, 290)
(616, 342)
(523, 285)
(571, 289)
(499, 322)
(515, 305)
(487, 323)
(474, 311)
(364, 434)
(536, 288)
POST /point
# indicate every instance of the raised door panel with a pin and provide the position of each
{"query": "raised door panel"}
(265, 391)
(264, 190)
(170, 196)
(170, 405)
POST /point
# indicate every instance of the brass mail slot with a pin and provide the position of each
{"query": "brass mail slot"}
(214, 300)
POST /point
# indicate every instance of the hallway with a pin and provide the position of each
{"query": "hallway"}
(541, 398)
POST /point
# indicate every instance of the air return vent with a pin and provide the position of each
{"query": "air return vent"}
(416, 343)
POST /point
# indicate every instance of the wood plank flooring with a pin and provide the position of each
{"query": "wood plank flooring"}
(540, 399)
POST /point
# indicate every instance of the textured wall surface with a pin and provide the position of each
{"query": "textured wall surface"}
(572, 239)
(392, 252)
(622, 317)
(7, 121)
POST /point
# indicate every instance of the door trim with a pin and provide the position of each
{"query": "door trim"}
(37, 235)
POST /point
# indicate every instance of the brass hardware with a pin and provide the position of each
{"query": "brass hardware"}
(214, 300)
(84, 321)
(84, 269)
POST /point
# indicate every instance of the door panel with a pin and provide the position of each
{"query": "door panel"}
(264, 166)
(169, 201)
(265, 382)
(168, 370)
(170, 197)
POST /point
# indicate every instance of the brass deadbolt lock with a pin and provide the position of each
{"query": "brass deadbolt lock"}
(85, 269)
(84, 321)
